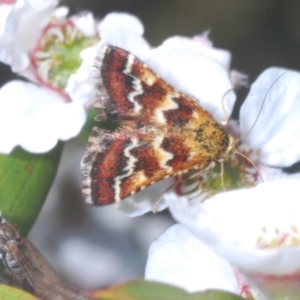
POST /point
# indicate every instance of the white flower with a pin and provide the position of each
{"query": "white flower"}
(276, 134)
(36, 40)
(256, 229)
(177, 257)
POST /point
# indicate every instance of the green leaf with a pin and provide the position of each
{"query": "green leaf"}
(147, 290)
(25, 180)
(9, 293)
(87, 127)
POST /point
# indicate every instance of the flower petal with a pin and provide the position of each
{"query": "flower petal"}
(36, 118)
(124, 31)
(86, 23)
(146, 200)
(233, 222)
(19, 37)
(4, 12)
(11, 112)
(81, 84)
(276, 133)
(122, 20)
(179, 258)
(202, 45)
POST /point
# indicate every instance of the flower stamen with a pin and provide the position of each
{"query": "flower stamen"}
(57, 54)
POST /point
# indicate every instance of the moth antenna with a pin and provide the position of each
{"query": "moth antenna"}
(252, 163)
(261, 107)
(223, 107)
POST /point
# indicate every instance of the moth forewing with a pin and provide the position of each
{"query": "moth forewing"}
(171, 134)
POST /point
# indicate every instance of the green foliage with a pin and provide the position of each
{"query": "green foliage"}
(147, 290)
(25, 180)
(9, 293)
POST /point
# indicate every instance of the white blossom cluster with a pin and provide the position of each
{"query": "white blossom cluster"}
(221, 243)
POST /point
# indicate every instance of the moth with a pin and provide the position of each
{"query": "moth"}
(162, 131)
(24, 261)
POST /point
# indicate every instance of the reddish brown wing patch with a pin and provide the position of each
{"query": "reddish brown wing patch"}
(170, 132)
(129, 90)
(118, 169)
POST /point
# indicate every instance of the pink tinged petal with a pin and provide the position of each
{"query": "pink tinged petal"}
(275, 287)
(19, 36)
(236, 223)
(38, 118)
(203, 39)
(146, 200)
(195, 74)
(269, 174)
(9, 2)
(179, 258)
(277, 131)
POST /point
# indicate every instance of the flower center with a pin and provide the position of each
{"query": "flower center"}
(236, 173)
(57, 54)
(276, 238)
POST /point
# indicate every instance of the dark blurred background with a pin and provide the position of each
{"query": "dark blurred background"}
(94, 247)
(258, 33)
